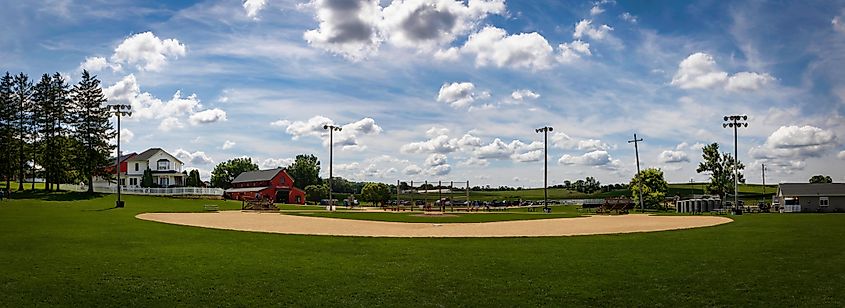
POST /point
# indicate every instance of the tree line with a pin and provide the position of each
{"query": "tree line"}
(52, 130)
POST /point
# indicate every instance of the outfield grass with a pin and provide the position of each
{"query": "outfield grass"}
(76, 251)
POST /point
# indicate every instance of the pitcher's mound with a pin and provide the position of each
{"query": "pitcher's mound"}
(290, 224)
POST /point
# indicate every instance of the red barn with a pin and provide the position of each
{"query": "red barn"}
(273, 184)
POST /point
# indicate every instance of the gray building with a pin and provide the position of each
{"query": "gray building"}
(820, 197)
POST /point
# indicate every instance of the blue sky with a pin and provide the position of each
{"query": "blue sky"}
(453, 90)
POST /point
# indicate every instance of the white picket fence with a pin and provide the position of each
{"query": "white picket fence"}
(173, 191)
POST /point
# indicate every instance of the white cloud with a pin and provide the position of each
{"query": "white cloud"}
(670, 156)
(147, 51)
(493, 46)
(412, 170)
(594, 158)
(524, 94)
(228, 145)
(628, 17)
(252, 7)
(699, 71)
(585, 28)
(126, 135)
(838, 24)
(531, 156)
(348, 28)
(195, 158)
(95, 64)
(208, 116)
(564, 141)
(440, 142)
(841, 155)
(270, 163)
(439, 170)
(170, 124)
(596, 10)
(795, 142)
(570, 52)
(459, 94)
(430, 24)
(436, 159)
(515, 150)
(347, 137)
(280, 123)
(748, 81)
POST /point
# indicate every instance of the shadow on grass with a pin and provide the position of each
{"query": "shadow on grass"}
(55, 196)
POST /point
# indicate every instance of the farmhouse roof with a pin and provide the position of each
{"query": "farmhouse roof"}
(814, 189)
(259, 175)
(145, 155)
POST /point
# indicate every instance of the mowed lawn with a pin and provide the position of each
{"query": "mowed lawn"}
(82, 253)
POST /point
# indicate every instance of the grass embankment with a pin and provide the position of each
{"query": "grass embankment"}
(70, 250)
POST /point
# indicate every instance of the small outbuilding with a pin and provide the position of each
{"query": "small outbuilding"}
(272, 184)
(811, 197)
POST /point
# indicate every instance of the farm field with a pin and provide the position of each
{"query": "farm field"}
(74, 250)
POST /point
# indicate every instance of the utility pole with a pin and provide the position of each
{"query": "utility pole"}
(763, 168)
(332, 129)
(735, 121)
(545, 130)
(637, 153)
(119, 110)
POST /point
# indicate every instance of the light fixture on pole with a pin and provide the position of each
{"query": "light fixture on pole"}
(332, 129)
(735, 122)
(641, 180)
(119, 111)
(545, 130)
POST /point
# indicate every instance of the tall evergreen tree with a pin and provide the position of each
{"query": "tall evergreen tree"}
(50, 99)
(22, 95)
(91, 127)
(41, 104)
(61, 103)
(7, 120)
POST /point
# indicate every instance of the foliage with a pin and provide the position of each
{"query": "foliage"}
(721, 170)
(147, 179)
(193, 179)
(7, 129)
(375, 192)
(651, 185)
(821, 179)
(226, 172)
(305, 171)
(50, 121)
(91, 127)
(316, 192)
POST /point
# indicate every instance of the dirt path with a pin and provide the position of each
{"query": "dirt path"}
(290, 224)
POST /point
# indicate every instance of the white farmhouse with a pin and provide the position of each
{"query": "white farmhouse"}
(165, 168)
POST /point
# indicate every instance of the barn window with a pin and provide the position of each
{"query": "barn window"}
(823, 201)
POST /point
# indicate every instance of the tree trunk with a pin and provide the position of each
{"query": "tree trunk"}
(90, 183)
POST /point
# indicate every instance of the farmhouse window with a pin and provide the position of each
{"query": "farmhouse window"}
(136, 166)
(823, 201)
(163, 164)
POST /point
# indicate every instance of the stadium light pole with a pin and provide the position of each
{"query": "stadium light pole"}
(119, 110)
(332, 129)
(637, 153)
(545, 130)
(735, 122)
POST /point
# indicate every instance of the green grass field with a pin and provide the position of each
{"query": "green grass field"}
(75, 250)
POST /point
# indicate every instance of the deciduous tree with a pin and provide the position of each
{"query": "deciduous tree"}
(226, 172)
(720, 166)
(654, 187)
(305, 171)
(821, 179)
(375, 192)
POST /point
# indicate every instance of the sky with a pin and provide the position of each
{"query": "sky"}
(444, 90)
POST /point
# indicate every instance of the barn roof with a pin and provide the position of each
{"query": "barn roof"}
(246, 189)
(814, 189)
(259, 175)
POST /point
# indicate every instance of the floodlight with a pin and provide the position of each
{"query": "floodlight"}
(325, 127)
(726, 118)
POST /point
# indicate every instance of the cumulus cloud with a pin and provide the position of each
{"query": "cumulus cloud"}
(412, 170)
(208, 116)
(699, 71)
(228, 145)
(495, 47)
(252, 7)
(795, 142)
(596, 10)
(126, 135)
(147, 52)
(524, 94)
(347, 138)
(564, 141)
(95, 64)
(348, 28)
(585, 28)
(670, 156)
(570, 52)
(195, 158)
(440, 142)
(430, 24)
(841, 155)
(515, 150)
(459, 94)
(594, 158)
(146, 106)
(270, 163)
